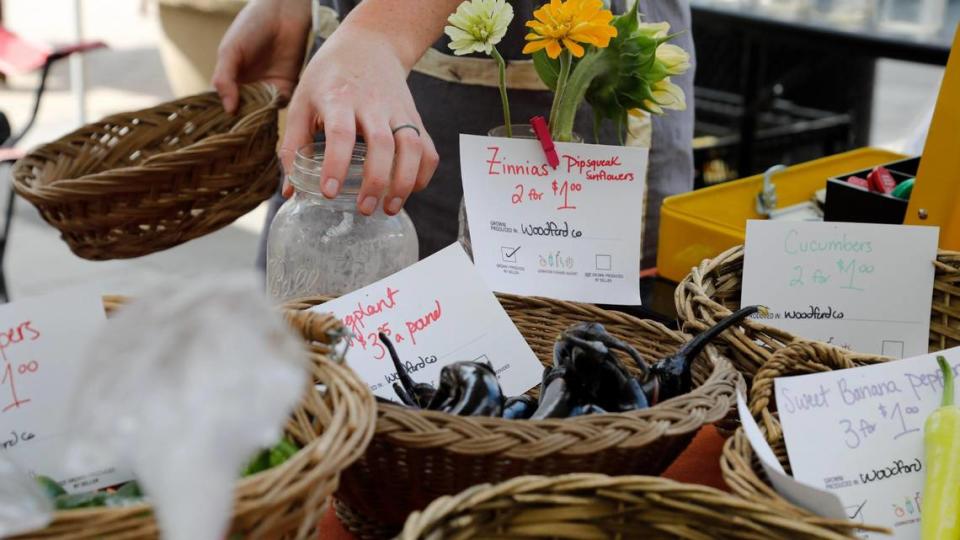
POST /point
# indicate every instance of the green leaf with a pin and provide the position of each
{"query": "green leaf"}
(629, 21)
(547, 68)
(626, 85)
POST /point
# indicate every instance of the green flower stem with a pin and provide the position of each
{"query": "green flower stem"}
(592, 65)
(502, 65)
(565, 62)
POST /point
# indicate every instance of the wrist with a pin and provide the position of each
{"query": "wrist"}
(387, 23)
(352, 33)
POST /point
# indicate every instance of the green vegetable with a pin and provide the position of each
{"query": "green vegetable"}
(259, 463)
(281, 452)
(271, 457)
(81, 500)
(50, 487)
(904, 189)
(129, 490)
(940, 519)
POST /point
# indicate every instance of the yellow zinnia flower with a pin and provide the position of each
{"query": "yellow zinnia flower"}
(567, 24)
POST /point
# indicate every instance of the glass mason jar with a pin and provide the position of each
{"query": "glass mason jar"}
(320, 246)
(520, 131)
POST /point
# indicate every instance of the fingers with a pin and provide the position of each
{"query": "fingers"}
(340, 130)
(301, 123)
(378, 163)
(225, 79)
(428, 163)
(407, 163)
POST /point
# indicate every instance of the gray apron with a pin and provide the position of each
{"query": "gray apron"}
(442, 106)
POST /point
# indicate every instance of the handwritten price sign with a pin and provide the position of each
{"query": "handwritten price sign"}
(571, 233)
(366, 338)
(40, 343)
(22, 333)
(864, 287)
(433, 322)
(859, 433)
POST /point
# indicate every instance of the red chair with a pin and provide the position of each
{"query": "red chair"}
(18, 56)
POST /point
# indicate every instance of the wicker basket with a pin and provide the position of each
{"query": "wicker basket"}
(143, 181)
(711, 291)
(333, 428)
(741, 470)
(417, 456)
(591, 506)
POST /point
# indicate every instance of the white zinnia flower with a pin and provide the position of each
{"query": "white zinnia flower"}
(674, 59)
(666, 95)
(478, 25)
(656, 30)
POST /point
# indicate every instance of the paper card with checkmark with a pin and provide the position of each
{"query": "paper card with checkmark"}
(571, 233)
(435, 312)
(820, 502)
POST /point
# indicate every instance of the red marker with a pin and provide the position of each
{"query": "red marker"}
(881, 181)
(543, 135)
(859, 182)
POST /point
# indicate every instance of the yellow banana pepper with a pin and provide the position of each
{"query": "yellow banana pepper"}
(940, 518)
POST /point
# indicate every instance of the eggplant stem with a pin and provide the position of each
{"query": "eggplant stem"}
(405, 398)
(405, 379)
(591, 344)
(695, 346)
(632, 353)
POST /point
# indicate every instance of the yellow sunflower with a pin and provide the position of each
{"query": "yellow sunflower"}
(567, 24)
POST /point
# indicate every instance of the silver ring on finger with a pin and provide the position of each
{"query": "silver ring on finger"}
(406, 126)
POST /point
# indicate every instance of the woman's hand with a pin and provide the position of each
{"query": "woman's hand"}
(356, 84)
(266, 42)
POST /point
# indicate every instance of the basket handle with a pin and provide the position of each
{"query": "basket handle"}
(799, 358)
(315, 327)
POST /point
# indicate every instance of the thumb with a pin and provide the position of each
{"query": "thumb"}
(225, 79)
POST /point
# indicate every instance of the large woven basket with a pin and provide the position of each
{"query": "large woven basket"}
(591, 506)
(333, 427)
(143, 181)
(740, 467)
(711, 291)
(417, 456)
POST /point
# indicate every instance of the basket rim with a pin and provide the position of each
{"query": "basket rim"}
(271, 475)
(572, 489)
(26, 183)
(736, 460)
(658, 417)
(692, 298)
(689, 286)
(274, 476)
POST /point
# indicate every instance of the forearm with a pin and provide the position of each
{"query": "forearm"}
(408, 31)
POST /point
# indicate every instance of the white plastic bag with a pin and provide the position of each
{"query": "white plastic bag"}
(184, 385)
(23, 505)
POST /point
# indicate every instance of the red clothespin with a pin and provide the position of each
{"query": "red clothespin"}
(543, 135)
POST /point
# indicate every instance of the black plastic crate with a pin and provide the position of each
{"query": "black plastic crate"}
(786, 133)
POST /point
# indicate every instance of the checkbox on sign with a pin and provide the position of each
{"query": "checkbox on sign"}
(509, 254)
(604, 262)
(893, 349)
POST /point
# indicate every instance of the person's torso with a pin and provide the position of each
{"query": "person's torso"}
(512, 43)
